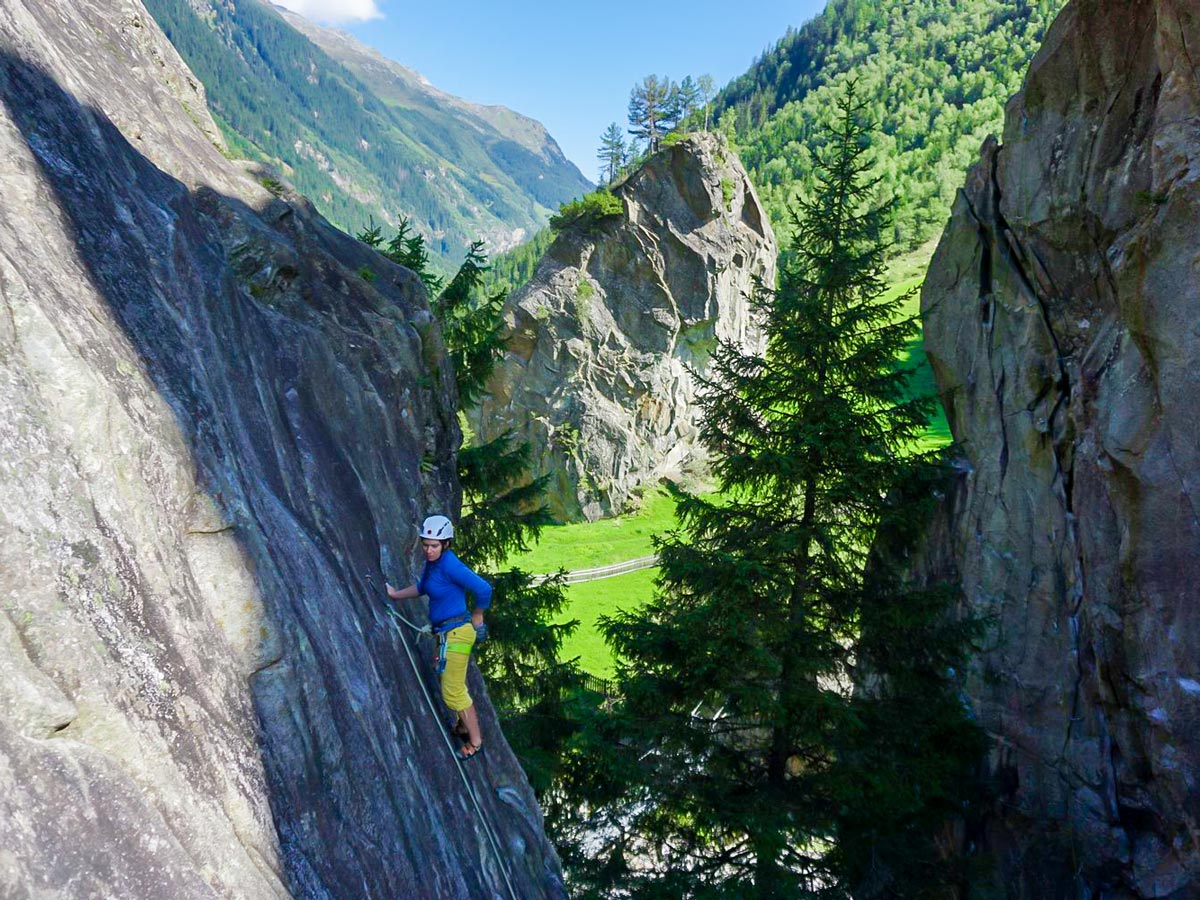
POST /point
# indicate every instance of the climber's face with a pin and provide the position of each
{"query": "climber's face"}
(433, 549)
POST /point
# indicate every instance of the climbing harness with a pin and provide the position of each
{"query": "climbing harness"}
(458, 759)
(446, 646)
(450, 624)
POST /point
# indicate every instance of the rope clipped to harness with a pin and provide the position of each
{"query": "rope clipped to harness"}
(396, 618)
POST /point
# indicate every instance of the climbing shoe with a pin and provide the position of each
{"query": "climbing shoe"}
(468, 750)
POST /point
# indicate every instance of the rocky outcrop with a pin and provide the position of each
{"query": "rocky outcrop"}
(219, 421)
(603, 342)
(1060, 319)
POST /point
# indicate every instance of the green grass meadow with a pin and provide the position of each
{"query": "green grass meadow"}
(589, 544)
(593, 599)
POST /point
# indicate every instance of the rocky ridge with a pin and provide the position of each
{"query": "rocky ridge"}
(217, 439)
(1060, 321)
(605, 337)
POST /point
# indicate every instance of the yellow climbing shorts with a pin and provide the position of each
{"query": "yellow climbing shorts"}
(454, 677)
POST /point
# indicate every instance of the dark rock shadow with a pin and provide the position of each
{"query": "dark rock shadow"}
(317, 408)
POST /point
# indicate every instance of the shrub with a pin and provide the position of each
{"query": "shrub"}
(588, 212)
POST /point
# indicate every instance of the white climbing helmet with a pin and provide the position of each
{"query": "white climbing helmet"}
(437, 528)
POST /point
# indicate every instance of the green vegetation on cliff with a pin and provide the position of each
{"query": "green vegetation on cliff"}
(934, 74)
(281, 99)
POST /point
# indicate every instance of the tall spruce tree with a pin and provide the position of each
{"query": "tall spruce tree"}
(689, 97)
(648, 102)
(706, 89)
(760, 750)
(502, 512)
(472, 326)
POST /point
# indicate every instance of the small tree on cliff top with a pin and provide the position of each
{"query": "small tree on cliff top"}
(757, 760)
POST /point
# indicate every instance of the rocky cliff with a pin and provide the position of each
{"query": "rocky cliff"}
(604, 339)
(1060, 318)
(216, 439)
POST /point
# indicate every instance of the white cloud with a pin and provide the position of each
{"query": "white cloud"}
(334, 12)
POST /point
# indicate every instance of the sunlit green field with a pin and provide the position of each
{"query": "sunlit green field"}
(589, 544)
(593, 599)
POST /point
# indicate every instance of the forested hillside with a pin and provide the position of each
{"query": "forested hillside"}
(280, 98)
(936, 75)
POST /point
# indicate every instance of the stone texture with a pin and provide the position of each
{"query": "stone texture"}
(216, 438)
(604, 339)
(1060, 318)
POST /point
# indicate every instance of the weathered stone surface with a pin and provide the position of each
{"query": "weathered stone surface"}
(215, 439)
(1060, 318)
(602, 339)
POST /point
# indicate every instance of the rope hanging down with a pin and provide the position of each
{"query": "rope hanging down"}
(394, 615)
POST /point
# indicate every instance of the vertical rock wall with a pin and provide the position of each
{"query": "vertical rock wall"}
(605, 338)
(216, 437)
(1061, 317)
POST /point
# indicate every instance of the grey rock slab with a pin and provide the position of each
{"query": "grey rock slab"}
(605, 340)
(216, 440)
(1059, 316)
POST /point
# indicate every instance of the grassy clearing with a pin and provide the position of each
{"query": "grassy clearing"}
(589, 544)
(593, 599)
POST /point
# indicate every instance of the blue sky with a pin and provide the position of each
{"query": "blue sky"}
(568, 64)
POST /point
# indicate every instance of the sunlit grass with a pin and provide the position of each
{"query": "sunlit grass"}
(588, 544)
(593, 599)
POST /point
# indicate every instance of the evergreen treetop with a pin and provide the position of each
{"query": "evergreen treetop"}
(739, 675)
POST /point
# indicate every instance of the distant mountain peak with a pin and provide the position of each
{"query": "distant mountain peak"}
(391, 78)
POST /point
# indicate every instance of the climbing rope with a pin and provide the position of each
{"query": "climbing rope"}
(458, 761)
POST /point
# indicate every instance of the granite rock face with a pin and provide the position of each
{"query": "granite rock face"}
(1061, 320)
(602, 339)
(216, 437)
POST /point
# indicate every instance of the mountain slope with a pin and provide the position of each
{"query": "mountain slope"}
(935, 76)
(281, 98)
(517, 144)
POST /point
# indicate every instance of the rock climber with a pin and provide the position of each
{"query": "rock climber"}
(446, 580)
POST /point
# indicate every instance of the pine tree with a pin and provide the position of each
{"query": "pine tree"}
(407, 248)
(612, 153)
(502, 512)
(472, 327)
(706, 88)
(689, 97)
(647, 105)
(672, 108)
(757, 757)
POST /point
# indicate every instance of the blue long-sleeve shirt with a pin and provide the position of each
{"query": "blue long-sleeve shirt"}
(447, 581)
